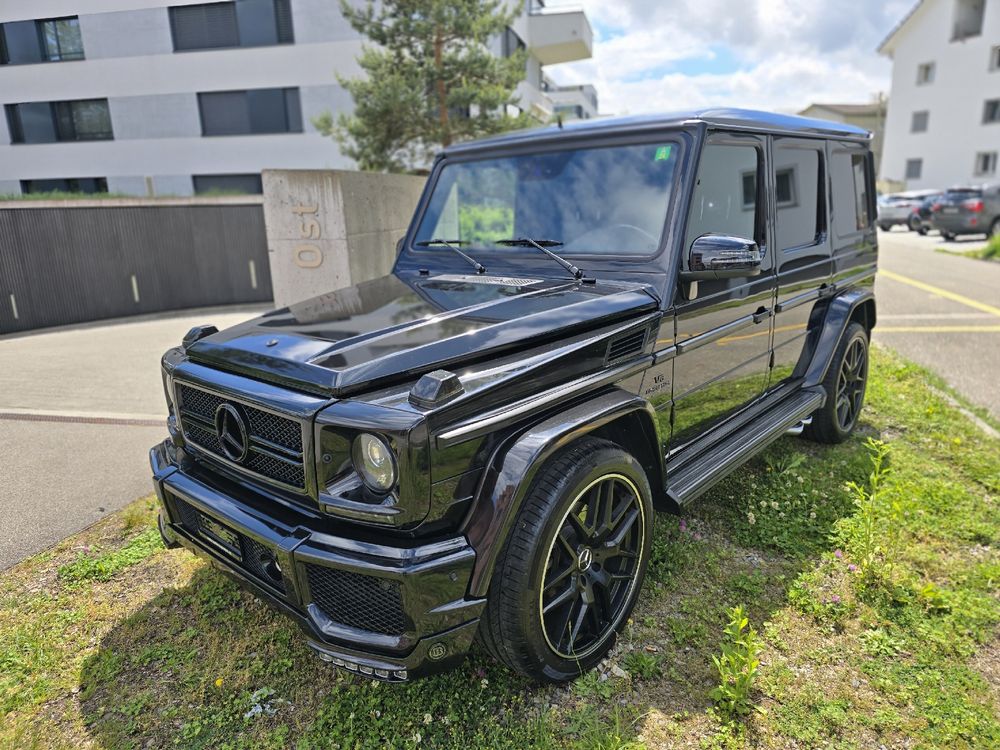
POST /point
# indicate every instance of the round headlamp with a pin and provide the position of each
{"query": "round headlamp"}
(374, 462)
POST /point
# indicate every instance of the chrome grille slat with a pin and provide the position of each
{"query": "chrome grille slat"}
(276, 447)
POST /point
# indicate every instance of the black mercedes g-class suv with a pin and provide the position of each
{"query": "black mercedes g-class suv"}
(584, 324)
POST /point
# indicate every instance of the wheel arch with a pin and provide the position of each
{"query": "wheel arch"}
(615, 415)
(852, 305)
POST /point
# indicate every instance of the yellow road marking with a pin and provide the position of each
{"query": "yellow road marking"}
(937, 329)
(953, 296)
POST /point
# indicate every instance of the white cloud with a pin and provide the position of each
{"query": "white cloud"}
(651, 55)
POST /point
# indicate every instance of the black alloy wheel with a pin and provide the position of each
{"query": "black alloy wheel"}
(591, 565)
(851, 384)
(845, 383)
(572, 566)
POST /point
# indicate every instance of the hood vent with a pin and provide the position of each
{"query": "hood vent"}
(626, 345)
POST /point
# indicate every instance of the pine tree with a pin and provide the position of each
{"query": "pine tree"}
(430, 80)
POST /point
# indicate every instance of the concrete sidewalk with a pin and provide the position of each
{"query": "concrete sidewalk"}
(79, 409)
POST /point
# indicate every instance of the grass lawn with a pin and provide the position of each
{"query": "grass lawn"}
(108, 640)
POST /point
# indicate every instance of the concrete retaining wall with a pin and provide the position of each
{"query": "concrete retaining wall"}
(330, 229)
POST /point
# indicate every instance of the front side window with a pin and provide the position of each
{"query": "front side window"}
(725, 198)
(596, 201)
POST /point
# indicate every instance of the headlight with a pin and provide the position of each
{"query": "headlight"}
(374, 461)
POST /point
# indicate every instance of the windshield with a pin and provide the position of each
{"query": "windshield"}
(611, 200)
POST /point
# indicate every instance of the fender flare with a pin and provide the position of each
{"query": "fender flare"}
(840, 311)
(514, 464)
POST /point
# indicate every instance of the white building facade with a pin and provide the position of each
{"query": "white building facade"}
(174, 97)
(943, 124)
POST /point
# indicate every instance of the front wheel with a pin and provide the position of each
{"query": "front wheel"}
(845, 384)
(570, 572)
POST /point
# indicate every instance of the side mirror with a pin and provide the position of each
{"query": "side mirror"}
(720, 256)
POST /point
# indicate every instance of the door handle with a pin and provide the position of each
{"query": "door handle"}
(762, 314)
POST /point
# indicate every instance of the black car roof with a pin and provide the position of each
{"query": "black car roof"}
(730, 119)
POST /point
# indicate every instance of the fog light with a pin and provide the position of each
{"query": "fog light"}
(383, 673)
(374, 462)
(401, 674)
(325, 657)
(366, 669)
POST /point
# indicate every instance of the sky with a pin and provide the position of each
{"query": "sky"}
(780, 55)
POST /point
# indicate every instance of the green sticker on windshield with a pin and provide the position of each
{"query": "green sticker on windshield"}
(662, 153)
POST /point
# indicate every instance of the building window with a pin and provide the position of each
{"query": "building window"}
(925, 73)
(243, 184)
(48, 40)
(49, 122)
(986, 163)
(995, 58)
(250, 112)
(512, 43)
(66, 185)
(968, 19)
(243, 23)
(919, 122)
(914, 168)
(991, 111)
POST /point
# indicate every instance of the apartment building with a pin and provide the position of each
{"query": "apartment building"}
(943, 124)
(870, 116)
(175, 97)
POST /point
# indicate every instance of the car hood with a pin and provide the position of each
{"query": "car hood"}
(392, 329)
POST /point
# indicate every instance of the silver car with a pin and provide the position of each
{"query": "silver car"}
(971, 210)
(902, 208)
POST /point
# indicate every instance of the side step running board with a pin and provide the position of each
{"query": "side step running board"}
(696, 476)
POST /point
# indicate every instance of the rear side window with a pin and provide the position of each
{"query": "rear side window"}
(851, 192)
(799, 196)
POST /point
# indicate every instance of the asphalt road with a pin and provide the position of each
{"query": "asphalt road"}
(942, 311)
(79, 409)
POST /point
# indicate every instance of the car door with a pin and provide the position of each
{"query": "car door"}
(723, 326)
(802, 248)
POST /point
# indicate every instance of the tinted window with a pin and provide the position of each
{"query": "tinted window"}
(227, 183)
(254, 111)
(244, 23)
(61, 39)
(21, 43)
(609, 200)
(725, 193)
(851, 192)
(45, 122)
(991, 111)
(799, 194)
(919, 121)
(914, 168)
(67, 185)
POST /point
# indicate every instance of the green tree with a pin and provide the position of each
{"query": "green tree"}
(429, 80)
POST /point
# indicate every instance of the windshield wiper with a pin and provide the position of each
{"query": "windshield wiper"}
(544, 246)
(453, 246)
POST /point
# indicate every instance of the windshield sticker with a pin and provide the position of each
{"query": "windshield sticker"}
(662, 153)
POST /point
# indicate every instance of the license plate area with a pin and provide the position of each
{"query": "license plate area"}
(221, 536)
(949, 210)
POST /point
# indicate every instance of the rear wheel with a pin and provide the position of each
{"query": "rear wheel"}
(845, 384)
(571, 571)
(914, 223)
(995, 228)
(885, 227)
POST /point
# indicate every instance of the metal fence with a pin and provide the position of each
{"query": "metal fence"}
(66, 262)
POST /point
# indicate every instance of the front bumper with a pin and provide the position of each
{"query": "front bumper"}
(391, 612)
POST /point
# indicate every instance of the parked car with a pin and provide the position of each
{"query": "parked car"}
(925, 212)
(901, 209)
(584, 324)
(971, 210)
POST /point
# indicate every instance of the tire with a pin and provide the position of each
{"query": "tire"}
(948, 236)
(845, 385)
(885, 227)
(914, 224)
(549, 557)
(995, 228)
(922, 231)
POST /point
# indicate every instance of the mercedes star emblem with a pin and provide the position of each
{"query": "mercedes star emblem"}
(231, 428)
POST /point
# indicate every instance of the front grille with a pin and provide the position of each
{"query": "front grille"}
(255, 557)
(357, 600)
(275, 441)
